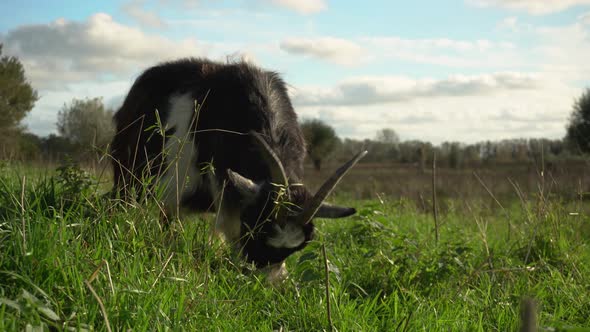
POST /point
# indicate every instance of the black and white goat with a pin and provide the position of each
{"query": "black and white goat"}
(244, 132)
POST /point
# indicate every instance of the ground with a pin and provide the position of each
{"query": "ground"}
(71, 257)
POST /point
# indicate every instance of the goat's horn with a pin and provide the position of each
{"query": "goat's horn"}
(312, 206)
(277, 172)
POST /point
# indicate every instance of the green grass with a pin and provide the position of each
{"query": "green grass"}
(387, 272)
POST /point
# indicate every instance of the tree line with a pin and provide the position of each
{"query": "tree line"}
(456, 154)
(84, 130)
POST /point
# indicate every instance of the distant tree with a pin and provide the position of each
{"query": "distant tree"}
(556, 147)
(29, 146)
(17, 98)
(86, 123)
(540, 149)
(471, 153)
(414, 151)
(451, 153)
(422, 155)
(504, 150)
(385, 148)
(349, 147)
(578, 128)
(519, 149)
(388, 136)
(321, 140)
(54, 147)
(455, 155)
(488, 151)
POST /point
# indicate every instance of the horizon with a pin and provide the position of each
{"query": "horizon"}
(456, 71)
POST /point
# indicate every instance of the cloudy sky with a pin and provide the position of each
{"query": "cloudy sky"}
(452, 70)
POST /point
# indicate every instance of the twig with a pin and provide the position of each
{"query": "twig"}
(109, 275)
(541, 202)
(528, 316)
(22, 209)
(327, 282)
(100, 304)
(482, 226)
(542, 169)
(508, 270)
(95, 273)
(580, 191)
(434, 210)
(162, 271)
(218, 212)
(510, 226)
(137, 142)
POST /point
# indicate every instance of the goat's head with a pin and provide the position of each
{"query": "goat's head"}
(276, 215)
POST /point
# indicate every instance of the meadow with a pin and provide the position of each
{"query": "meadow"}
(71, 258)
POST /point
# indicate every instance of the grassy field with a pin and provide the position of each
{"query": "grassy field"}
(72, 259)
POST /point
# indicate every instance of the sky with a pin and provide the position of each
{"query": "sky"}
(444, 70)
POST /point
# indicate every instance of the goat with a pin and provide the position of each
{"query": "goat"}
(236, 121)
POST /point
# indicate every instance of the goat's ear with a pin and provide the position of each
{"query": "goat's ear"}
(330, 211)
(246, 187)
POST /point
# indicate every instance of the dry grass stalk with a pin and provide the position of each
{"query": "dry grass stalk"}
(528, 315)
(434, 204)
(100, 303)
(510, 226)
(327, 283)
(23, 221)
(161, 271)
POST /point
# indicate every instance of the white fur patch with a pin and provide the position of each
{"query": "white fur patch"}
(290, 236)
(182, 175)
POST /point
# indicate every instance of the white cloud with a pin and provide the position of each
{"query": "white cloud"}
(480, 45)
(183, 3)
(564, 52)
(136, 10)
(391, 89)
(510, 23)
(468, 119)
(437, 51)
(535, 7)
(96, 57)
(514, 115)
(481, 53)
(68, 51)
(305, 7)
(584, 18)
(337, 50)
(458, 108)
(507, 103)
(42, 118)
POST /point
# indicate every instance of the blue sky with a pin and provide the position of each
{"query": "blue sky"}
(462, 70)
